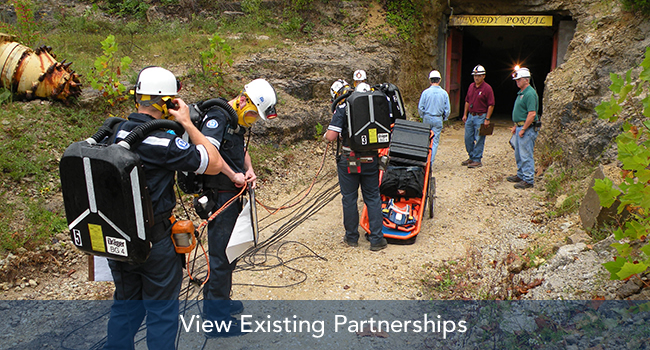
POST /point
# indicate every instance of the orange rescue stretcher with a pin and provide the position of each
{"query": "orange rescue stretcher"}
(403, 212)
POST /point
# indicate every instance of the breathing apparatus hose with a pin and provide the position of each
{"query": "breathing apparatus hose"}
(339, 99)
(106, 129)
(206, 105)
(141, 131)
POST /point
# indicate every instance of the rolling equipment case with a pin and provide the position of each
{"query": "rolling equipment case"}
(411, 141)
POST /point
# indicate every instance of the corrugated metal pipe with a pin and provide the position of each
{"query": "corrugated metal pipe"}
(31, 74)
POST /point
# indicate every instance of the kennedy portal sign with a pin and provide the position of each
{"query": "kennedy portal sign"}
(498, 20)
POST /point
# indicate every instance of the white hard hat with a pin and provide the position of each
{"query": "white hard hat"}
(434, 74)
(360, 75)
(363, 87)
(478, 70)
(157, 81)
(336, 87)
(263, 97)
(521, 73)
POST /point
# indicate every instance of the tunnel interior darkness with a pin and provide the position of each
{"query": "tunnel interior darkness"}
(499, 49)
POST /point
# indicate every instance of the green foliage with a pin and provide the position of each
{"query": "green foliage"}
(637, 5)
(634, 152)
(26, 28)
(108, 68)
(215, 60)
(406, 16)
(5, 96)
(319, 131)
(293, 23)
(131, 8)
(40, 226)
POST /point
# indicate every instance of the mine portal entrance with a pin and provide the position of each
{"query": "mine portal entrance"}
(499, 43)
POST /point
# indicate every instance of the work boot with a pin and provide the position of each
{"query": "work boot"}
(350, 242)
(514, 178)
(473, 165)
(234, 330)
(236, 307)
(523, 185)
(466, 162)
(383, 243)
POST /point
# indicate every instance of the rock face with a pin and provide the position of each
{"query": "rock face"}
(607, 40)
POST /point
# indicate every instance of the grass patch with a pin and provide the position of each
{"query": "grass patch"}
(38, 226)
(35, 134)
(452, 279)
(565, 187)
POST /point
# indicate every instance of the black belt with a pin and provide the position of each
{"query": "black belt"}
(219, 182)
(160, 227)
(363, 154)
(520, 123)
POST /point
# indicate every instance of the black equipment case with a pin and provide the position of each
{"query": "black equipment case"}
(410, 141)
(369, 120)
(107, 203)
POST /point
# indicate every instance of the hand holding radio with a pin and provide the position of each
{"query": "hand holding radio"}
(181, 112)
(171, 104)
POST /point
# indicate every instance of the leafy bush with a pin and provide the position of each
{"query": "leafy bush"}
(634, 152)
(26, 28)
(215, 60)
(105, 75)
(132, 8)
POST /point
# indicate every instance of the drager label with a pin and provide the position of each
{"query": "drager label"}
(116, 246)
(383, 137)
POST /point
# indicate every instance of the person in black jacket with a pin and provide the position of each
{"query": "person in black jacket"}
(257, 100)
(364, 172)
(152, 288)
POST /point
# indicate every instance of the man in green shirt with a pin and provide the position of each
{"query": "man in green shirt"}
(524, 132)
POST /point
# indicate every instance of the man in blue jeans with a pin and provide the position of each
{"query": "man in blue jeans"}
(479, 105)
(149, 291)
(356, 169)
(434, 107)
(524, 132)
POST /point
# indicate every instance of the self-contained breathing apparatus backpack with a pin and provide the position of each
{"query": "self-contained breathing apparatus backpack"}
(368, 119)
(105, 194)
(192, 183)
(397, 109)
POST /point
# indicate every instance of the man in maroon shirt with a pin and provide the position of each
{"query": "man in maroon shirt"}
(479, 105)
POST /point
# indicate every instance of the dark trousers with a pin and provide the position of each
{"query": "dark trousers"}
(368, 179)
(217, 290)
(150, 289)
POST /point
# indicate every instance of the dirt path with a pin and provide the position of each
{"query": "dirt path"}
(475, 208)
(476, 211)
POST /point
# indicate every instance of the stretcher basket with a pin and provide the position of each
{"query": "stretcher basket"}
(419, 205)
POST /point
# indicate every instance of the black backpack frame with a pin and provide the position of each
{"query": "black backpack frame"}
(105, 194)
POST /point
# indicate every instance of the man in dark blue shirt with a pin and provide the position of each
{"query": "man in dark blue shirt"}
(152, 288)
(350, 178)
(257, 100)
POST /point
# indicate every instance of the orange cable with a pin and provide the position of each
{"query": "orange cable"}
(275, 210)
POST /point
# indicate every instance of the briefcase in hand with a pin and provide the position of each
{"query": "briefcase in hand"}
(486, 129)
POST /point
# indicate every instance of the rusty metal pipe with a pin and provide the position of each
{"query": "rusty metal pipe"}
(33, 74)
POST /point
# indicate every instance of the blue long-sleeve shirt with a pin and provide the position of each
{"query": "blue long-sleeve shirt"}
(434, 102)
